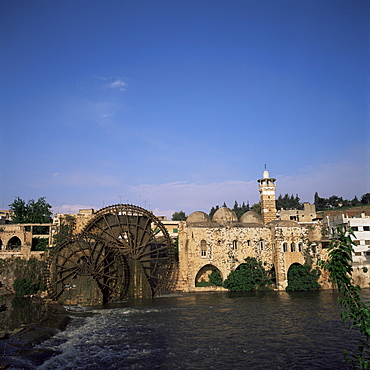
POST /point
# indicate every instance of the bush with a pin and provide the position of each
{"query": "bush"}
(24, 287)
(302, 278)
(215, 278)
(250, 275)
(40, 244)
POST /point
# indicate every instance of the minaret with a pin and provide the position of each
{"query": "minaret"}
(267, 197)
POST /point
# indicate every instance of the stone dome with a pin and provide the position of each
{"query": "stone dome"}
(251, 217)
(198, 216)
(224, 215)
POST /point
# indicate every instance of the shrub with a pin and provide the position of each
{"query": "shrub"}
(302, 278)
(215, 278)
(24, 287)
(250, 275)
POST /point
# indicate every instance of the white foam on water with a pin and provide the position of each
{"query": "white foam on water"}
(92, 341)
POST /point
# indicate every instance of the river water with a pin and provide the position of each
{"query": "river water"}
(215, 330)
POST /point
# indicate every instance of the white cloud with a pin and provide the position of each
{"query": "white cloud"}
(118, 84)
(106, 115)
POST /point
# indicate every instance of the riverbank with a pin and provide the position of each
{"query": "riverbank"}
(19, 342)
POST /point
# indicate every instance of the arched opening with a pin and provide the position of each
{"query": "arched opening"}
(208, 275)
(14, 243)
(285, 247)
(300, 247)
(302, 277)
(1, 244)
(292, 247)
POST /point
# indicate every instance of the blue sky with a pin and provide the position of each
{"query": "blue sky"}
(178, 105)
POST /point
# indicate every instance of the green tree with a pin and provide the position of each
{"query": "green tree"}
(365, 199)
(31, 212)
(215, 278)
(320, 203)
(40, 244)
(355, 202)
(303, 278)
(179, 216)
(213, 211)
(250, 275)
(339, 266)
(256, 208)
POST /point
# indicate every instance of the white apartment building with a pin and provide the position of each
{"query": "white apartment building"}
(360, 225)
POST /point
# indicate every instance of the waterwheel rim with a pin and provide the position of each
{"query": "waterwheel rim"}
(138, 235)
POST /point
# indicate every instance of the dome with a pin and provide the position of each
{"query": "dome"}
(266, 174)
(251, 217)
(224, 215)
(198, 216)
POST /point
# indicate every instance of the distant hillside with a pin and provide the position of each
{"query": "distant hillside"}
(349, 211)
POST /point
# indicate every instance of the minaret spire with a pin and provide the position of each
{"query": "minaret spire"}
(267, 197)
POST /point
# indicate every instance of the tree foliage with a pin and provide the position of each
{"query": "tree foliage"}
(250, 275)
(339, 266)
(24, 287)
(38, 212)
(288, 202)
(179, 216)
(303, 278)
(239, 209)
(335, 201)
(215, 278)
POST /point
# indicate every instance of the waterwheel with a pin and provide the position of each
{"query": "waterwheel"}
(143, 241)
(87, 270)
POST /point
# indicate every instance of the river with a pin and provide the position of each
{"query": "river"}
(215, 330)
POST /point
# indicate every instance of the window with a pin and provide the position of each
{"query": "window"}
(314, 248)
(262, 245)
(358, 253)
(248, 243)
(354, 228)
(203, 248)
(285, 247)
(357, 242)
(300, 247)
(235, 244)
(367, 242)
(366, 228)
(292, 247)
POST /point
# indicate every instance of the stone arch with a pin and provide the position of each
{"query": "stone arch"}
(289, 269)
(14, 243)
(204, 272)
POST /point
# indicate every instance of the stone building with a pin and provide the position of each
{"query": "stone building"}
(223, 242)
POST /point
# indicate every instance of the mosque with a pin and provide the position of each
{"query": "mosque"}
(223, 242)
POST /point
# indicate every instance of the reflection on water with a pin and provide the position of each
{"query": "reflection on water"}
(258, 330)
(19, 312)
